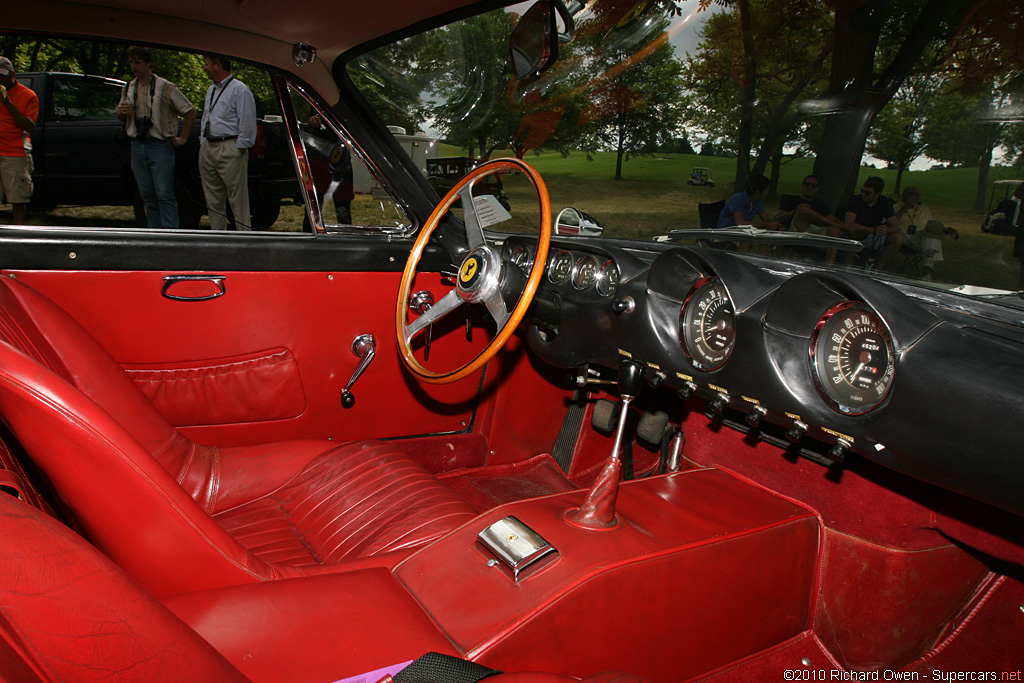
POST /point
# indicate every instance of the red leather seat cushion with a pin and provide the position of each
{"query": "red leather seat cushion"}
(353, 501)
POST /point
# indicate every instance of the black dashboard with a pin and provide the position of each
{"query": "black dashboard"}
(830, 363)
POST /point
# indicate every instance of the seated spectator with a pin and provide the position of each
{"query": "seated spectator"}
(807, 212)
(918, 230)
(744, 207)
(871, 219)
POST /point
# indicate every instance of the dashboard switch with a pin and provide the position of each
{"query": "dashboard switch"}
(686, 391)
(626, 305)
(756, 416)
(716, 406)
(796, 432)
(839, 451)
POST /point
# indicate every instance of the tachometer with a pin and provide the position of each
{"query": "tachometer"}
(852, 358)
(706, 327)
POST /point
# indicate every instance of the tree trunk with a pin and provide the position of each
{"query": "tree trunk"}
(900, 168)
(744, 75)
(620, 149)
(773, 187)
(984, 164)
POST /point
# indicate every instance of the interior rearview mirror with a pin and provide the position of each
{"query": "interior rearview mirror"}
(534, 41)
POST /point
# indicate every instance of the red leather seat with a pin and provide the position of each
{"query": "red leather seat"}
(180, 516)
(68, 614)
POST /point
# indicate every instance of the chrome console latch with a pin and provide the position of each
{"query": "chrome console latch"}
(365, 347)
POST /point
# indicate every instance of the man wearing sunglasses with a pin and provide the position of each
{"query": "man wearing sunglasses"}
(870, 218)
(807, 212)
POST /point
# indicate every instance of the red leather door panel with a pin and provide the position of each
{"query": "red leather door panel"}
(289, 335)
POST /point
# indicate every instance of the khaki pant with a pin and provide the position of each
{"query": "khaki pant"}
(15, 179)
(224, 168)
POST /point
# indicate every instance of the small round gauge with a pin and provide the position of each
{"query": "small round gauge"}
(707, 329)
(559, 268)
(852, 358)
(523, 257)
(607, 278)
(584, 273)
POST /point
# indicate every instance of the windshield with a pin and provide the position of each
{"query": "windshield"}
(894, 127)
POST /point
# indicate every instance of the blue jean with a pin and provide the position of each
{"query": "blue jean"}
(153, 168)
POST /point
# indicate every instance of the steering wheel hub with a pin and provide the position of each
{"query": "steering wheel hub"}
(479, 276)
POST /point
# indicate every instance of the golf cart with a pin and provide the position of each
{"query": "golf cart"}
(1001, 219)
(701, 176)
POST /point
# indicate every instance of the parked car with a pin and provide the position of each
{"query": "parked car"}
(460, 440)
(79, 161)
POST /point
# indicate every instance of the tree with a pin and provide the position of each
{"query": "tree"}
(753, 64)
(636, 109)
(896, 133)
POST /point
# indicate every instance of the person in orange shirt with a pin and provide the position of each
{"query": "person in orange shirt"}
(18, 117)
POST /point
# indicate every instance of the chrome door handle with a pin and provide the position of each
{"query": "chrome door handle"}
(193, 290)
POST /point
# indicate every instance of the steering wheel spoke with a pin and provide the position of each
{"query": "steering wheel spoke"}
(474, 231)
(448, 303)
(479, 278)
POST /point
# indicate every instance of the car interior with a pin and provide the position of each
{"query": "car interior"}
(549, 454)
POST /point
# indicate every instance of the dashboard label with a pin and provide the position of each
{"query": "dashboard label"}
(751, 400)
(654, 366)
(625, 354)
(838, 435)
(687, 378)
(718, 388)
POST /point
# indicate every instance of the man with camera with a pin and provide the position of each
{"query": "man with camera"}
(19, 109)
(150, 106)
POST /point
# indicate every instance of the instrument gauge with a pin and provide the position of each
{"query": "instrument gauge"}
(523, 258)
(852, 358)
(707, 328)
(584, 273)
(607, 278)
(559, 268)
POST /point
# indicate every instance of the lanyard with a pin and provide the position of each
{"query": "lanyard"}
(225, 87)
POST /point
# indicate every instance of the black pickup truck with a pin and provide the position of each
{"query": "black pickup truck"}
(79, 161)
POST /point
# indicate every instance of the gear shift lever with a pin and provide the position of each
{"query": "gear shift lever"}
(598, 510)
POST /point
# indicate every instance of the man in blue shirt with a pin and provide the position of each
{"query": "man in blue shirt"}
(744, 207)
(228, 132)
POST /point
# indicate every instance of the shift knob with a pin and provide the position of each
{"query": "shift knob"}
(631, 377)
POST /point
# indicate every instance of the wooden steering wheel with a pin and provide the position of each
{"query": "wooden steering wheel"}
(479, 276)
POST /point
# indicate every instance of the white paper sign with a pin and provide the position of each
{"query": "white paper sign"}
(489, 211)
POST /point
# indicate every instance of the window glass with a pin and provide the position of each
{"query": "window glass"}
(83, 175)
(83, 99)
(346, 192)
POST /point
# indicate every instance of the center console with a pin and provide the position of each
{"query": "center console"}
(700, 569)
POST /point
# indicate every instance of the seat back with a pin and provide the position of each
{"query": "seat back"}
(708, 214)
(68, 614)
(115, 462)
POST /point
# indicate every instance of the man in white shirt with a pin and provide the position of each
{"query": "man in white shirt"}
(228, 132)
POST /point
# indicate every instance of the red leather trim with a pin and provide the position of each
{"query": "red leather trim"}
(319, 628)
(248, 388)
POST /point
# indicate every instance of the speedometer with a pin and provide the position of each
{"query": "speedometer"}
(584, 273)
(523, 257)
(852, 358)
(706, 327)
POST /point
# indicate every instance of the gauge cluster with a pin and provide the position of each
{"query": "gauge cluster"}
(827, 364)
(582, 271)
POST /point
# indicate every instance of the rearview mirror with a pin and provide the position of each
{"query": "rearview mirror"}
(534, 41)
(571, 221)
